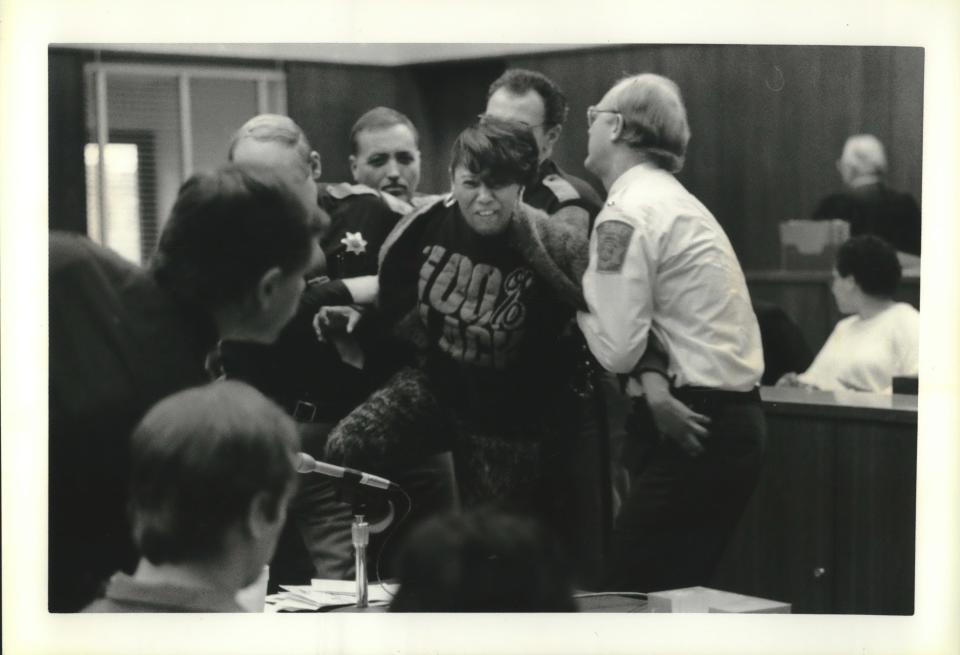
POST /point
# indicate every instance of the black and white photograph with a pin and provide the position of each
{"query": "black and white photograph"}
(443, 343)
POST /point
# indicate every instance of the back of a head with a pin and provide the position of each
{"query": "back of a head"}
(198, 458)
(654, 119)
(500, 152)
(482, 561)
(272, 127)
(873, 264)
(380, 118)
(520, 81)
(863, 155)
(226, 229)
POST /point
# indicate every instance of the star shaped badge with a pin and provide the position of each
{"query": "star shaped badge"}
(354, 243)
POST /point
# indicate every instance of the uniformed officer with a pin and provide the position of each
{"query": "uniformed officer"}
(660, 264)
(385, 164)
(533, 99)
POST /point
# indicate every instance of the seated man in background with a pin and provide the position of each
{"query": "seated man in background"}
(212, 471)
(230, 264)
(482, 561)
(867, 203)
(879, 341)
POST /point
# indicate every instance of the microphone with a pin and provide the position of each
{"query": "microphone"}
(307, 464)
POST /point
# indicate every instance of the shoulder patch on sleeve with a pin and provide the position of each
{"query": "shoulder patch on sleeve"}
(613, 240)
(561, 188)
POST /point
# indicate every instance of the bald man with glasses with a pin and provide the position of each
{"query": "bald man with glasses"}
(661, 267)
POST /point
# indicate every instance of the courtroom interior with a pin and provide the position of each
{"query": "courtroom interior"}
(598, 328)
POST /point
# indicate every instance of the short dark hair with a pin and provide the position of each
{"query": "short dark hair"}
(227, 229)
(500, 152)
(198, 459)
(380, 118)
(482, 560)
(520, 80)
(873, 264)
(272, 127)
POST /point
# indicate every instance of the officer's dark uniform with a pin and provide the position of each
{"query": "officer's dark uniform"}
(578, 484)
(365, 214)
(556, 189)
(309, 379)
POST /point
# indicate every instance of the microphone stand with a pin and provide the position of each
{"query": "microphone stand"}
(351, 491)
(360, 530)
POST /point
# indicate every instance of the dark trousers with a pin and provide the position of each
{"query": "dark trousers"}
(681, 510)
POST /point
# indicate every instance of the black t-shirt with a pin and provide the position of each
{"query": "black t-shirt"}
(491, 322)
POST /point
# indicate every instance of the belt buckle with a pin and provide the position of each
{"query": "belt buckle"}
(304, 412)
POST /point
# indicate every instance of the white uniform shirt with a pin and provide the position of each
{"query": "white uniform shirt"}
(660, 261)
(866, 354)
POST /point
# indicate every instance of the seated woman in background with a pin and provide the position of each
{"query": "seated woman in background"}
(879, 341)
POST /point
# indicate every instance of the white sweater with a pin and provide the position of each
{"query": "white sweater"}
(866, 354)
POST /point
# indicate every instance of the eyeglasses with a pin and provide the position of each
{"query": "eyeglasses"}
(592, 112)
(484, 117)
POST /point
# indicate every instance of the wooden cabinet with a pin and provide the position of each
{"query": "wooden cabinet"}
(830, 527)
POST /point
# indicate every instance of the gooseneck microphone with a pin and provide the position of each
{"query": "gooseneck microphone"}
(307, 464)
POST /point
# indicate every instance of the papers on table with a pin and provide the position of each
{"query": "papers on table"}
(325, 594)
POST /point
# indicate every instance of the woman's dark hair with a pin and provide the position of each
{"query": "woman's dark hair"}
(500, 152)
(198, 459)
(483, 560)
(227, 229)
(873, 264)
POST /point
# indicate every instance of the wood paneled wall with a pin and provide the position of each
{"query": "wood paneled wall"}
(768, 122)
(67, 188)
(326, 99)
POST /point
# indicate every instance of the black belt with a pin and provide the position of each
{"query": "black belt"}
(310, 411)
(688, 394)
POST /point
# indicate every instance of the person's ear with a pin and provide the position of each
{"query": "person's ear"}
(267, 287)
(618, 126)
(354, 164)
(263, 514)
(550, 138)
(315, 167)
